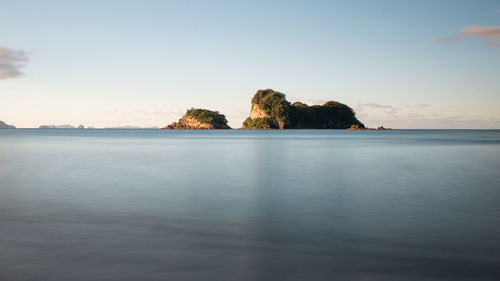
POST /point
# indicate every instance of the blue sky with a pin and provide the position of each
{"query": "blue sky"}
(403, 64)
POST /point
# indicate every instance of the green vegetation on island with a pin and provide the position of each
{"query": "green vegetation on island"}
(271, 110)
(197, 118)
(272, 103)
(206, 116)
(259, 123)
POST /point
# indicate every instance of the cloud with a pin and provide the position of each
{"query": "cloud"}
(481, 31)
(11, 62)
(316, 101)
(429, 121)
(307, 101)
(375, 105)
(159, 112)
(419, 106)
(490, 35)
(389, 108)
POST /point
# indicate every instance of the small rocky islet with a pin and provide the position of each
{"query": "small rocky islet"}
(270, 110)
(197, 118)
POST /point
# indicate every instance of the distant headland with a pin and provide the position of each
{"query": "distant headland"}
(3, 125)
(81, 127)
(60, 127)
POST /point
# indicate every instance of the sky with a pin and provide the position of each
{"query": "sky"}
(401, 64)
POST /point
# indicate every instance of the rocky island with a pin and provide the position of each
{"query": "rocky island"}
(197, 118)
(3, 125)
(271, 110)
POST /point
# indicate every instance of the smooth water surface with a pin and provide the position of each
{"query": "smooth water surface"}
(249, 205)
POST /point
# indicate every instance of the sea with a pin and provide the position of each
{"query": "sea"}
(249, 205)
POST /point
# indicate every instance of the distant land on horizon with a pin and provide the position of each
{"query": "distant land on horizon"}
(57, 127)
(4, 125)
(131, 127)
(81, 127)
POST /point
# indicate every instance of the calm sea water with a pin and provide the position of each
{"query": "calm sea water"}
(249, 205)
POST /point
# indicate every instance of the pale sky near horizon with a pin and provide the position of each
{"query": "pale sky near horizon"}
(401, 64)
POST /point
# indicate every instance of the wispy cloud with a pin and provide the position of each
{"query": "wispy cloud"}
(482, 31)
(316, 101)
(159, 112)
(11, 62)
(420, 115)
(307, 101)
(375, 105)
(418, 106)
(490, 35)
(140, 117)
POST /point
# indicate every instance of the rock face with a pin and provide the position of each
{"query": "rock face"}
(200, 119)
(6, 126)
(271, 110)
(357, 127)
